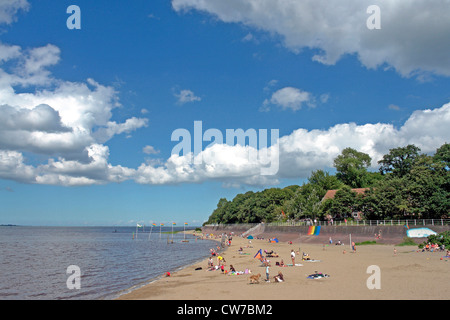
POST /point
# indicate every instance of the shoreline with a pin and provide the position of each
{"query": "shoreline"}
(404, 274)
(129, 291)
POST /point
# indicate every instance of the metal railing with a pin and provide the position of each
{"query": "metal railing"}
(390, 222)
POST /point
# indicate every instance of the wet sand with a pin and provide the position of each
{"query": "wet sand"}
(406, 274)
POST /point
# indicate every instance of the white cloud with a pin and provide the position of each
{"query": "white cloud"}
(301, 152)
(394, 107)
(290, 98)
(67, 123)
(12, 167)
(185, 96)
(9, 9)
(250, 37)
(149, 150)
(113, 128)
(8, 52)
(413, 37)
(40, 58)
(63, 122)
(324, 97)
(40, 118)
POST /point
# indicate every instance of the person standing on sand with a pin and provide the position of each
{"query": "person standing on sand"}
(293, 257)
(267, 274)
(353, 247)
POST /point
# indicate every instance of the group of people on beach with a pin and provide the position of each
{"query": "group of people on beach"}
(434, 247)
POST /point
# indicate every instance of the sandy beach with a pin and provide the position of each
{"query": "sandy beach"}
(404, 274)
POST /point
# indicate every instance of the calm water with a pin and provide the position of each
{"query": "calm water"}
(34, 260)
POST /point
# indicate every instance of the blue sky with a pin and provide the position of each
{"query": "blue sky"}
(87, 115)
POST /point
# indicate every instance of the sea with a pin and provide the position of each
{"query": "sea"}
(90, 263)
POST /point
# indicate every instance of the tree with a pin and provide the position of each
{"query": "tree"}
(409, 185)
(442, 155)
(343, 203)
(399, 161)
(324, 181)
(219, 212)
(390, 199)
(351, 167)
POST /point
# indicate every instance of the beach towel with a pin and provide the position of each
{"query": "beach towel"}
(311, 230)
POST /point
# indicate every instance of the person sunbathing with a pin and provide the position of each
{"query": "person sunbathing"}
(279, 277)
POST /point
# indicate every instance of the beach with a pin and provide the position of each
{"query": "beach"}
(373, 272)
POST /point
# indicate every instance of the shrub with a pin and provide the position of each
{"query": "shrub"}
(442, 238)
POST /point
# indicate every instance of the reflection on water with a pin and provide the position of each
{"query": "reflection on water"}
(34, 260)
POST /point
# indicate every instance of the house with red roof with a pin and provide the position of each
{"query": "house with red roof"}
(331, 194)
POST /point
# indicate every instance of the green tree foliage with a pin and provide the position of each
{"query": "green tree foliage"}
(399, 161)
(408, 185)
(351, 167)
(343, 203)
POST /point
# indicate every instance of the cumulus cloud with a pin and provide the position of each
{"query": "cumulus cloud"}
(289, 98)
(185, 96)
(413, 39)
(300, 152)
(40, 118)
(67, 122)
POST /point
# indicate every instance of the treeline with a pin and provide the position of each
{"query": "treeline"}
(408, 185)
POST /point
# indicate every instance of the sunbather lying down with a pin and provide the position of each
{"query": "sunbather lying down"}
(318, 275)
(280, 264)
(271, 254)
(307, 258)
